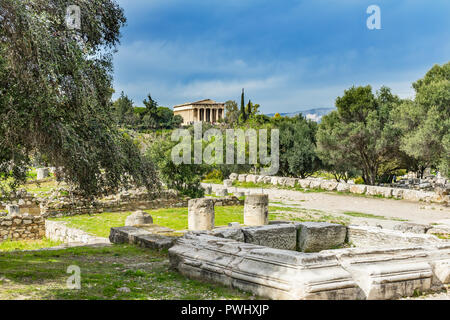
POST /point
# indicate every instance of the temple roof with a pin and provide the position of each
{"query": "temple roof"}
(201, 102)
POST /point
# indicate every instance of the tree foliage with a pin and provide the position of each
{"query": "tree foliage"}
(360, 134)
(56, 95)
(298, 147)
(425, 121)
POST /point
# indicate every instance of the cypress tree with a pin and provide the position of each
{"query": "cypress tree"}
(244, 115)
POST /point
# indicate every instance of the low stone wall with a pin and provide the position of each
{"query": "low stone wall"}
(58, 231)
(124, 201)
(329, 185)
(22, 227)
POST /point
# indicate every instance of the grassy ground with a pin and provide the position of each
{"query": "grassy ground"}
(177, 218)
(27, 245)
(145, 273)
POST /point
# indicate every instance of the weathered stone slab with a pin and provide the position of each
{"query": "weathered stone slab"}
(329, 185)
(141, 237)
(365, 236)
(385, 192)
(291, 182)
(410, 195)
(371, 191)
(390, 273)
(251, 178)
(234, 233)
(274, 180)
(233, 176)
(304, 183)
(343, 187)
(358, 188)
(315, 184)
(397, 193)
(241, 177)
(281, 236)
(412, 227)
(318, 236)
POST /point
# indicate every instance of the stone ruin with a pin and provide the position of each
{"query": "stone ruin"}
(300, 260)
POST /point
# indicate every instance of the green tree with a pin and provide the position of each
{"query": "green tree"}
(243, 114)
(360, 133)
(56, 96)
(298, 147)
(185, 178)
(231, 112)
(425, 121)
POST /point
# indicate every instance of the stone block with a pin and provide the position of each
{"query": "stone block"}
(233, 176)
(251, 178)
(343, 187)
(412, 227)
(397, 193)
(329, 185)
(241, 177)
(318, 236)
(281, 236)
(291, 182)
(304, 183)
(234, 233)
(358, 188)
(315, 184)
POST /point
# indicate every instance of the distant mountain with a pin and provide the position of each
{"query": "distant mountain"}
(313, 114)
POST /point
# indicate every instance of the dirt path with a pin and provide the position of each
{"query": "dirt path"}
(392, 210)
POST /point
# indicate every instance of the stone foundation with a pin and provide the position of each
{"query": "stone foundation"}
(372, 273)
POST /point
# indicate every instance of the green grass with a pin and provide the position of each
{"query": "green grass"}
(175, 218)
(43, 275)
(370, 216)
(10, 245)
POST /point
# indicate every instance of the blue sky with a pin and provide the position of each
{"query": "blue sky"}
(289, 55)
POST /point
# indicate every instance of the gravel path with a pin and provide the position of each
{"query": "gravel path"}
(335, 204)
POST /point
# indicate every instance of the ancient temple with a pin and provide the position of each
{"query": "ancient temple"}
(205, 110)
